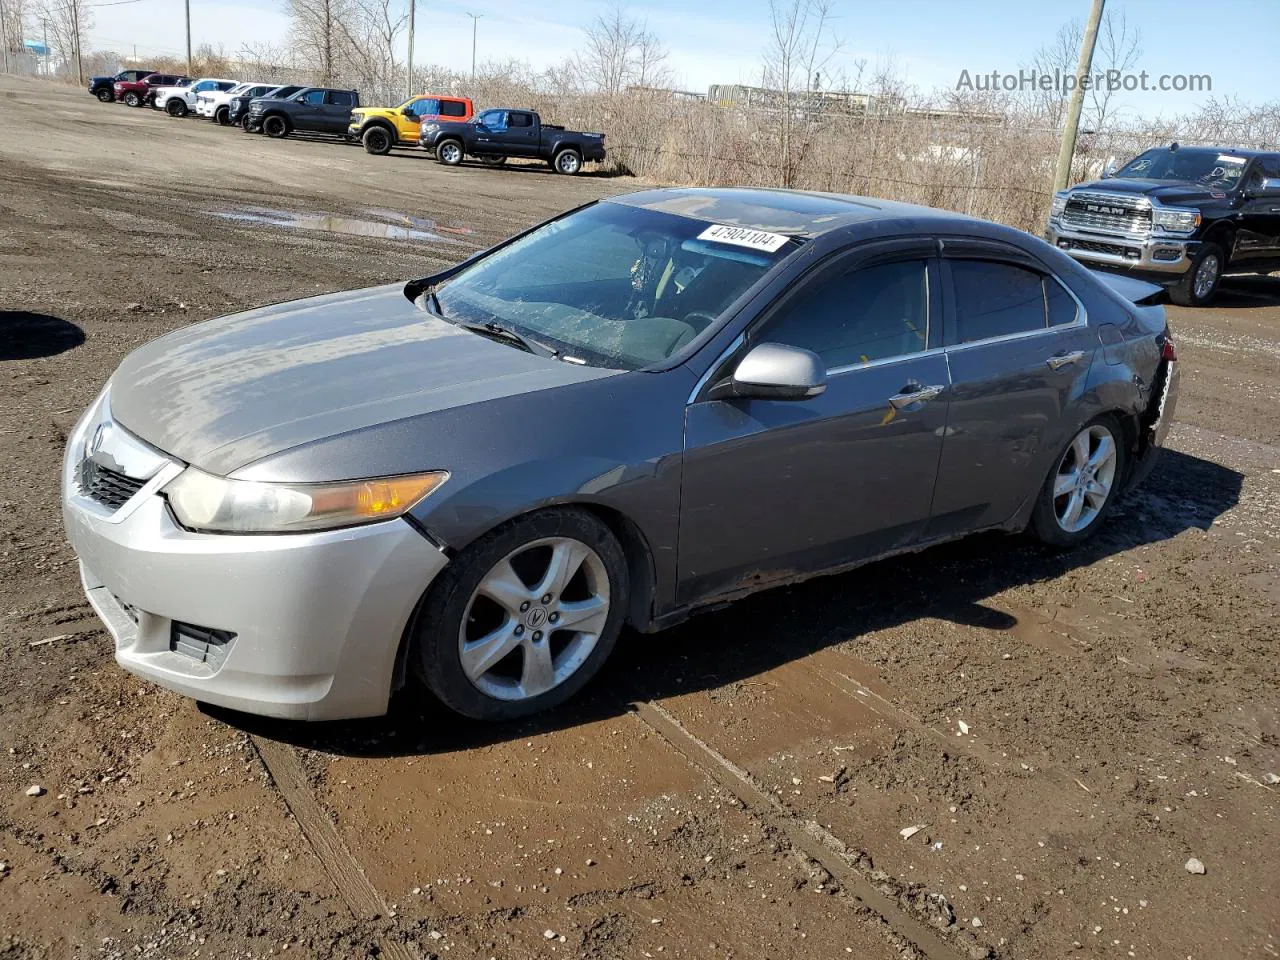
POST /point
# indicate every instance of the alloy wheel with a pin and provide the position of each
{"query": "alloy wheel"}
(1206, 276)
(568, 162)
(1085, 478)
(534, 619)
(451, 153)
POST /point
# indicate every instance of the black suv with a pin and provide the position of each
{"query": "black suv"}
(1177, 216)
(317, 109)
(104, 87)
(238, 107)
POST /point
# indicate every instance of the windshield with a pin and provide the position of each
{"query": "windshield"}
(1188, 165)
(613, 285)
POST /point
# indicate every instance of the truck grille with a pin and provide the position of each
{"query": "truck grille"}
(107, 487)
(1115, 213)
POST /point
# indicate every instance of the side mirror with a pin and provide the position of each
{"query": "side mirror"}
(1109, 171)
(1269, 189)
(774, 371)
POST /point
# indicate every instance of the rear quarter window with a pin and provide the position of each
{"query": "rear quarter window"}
(453, 108)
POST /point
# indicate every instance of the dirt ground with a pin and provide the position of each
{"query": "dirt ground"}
(737, 787)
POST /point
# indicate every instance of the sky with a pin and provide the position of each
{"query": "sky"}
(929, 42)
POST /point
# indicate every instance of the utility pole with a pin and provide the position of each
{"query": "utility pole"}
(44, 24)
(4, 35)
(1067, 149)
(75, 26)
(409, 82)
(475, 19)
(190, 71)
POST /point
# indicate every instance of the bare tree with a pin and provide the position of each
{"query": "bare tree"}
(800, 46)
(1118, 50)
(13, 20)
(315, 30)
(620, 52)
(371, 29)
(67, 21)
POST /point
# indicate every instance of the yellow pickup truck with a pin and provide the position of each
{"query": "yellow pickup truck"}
(381, 128)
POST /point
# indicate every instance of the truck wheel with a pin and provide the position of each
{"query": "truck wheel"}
(449, 153)
(377, 141)
(568, 162)
(275, 127)
(1197, 287)
(493, 161)
(105, 95)
(244, 123)
(176, 107)
(131, 99)
(221, 116)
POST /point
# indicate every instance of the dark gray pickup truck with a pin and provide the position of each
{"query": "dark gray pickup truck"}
(314, 109)
(494, 135)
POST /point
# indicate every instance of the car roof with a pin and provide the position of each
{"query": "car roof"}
(799, 213)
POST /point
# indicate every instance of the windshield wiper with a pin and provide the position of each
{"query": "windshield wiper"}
(495, 331)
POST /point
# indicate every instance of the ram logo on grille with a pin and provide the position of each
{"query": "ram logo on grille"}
(1102, 208)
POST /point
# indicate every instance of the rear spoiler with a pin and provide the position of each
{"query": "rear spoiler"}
(1138, 292)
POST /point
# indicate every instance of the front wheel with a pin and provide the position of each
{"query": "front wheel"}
(176, 107)
(1081, 490)
(105, 95)
(244, 123)
(524, 617)
(377, 141)
(131, 99)
(568, 162)
(222, 116)
(493, 161)
(449, 153)
(1198, 286)
(275, 127)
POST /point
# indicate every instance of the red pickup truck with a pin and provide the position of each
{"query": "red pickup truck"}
(139, 93)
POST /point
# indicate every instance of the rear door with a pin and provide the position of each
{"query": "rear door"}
(337, 110)
(1019, 350)
(521, 137)
(772, 488)
(1257, 244)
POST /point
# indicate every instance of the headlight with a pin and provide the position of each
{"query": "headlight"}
(212, 504)
(430, 127)
(1059, 203)
(1175, 219)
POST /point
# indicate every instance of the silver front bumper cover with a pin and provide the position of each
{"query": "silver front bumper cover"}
(317, 618)
(1078, 241)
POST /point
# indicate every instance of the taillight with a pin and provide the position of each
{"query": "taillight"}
(1168, 351)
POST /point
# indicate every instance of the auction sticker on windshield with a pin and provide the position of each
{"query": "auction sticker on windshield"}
(743, 237)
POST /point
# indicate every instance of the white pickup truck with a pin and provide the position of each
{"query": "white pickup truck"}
(179, 101)
(214, 104)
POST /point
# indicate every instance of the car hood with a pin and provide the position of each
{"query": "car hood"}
(225, 393)
(1168, 192)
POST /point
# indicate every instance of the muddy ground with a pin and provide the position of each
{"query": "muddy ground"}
(735, 787)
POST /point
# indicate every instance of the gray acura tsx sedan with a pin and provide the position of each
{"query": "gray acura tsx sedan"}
(647, 406)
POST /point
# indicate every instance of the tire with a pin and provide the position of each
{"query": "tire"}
(275, 126)
(568, 162)
(176, 107)
(449, 152)
(244, 123)
(493, 161)
(105, 95)
(1190, 291)
(131, 99)
(455, 614)
(222, 116)
(1051, 518)
(378, 140)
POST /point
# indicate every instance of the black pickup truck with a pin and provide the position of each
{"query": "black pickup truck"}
(1178, 216)
(104, 87)
(494, 135)
(315, 109)
(238, 107)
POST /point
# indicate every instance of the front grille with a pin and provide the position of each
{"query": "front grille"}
(200, 643)
(1114, 249)
(1108, 212)
(106, 486)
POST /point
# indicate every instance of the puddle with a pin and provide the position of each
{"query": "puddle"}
(382, 224)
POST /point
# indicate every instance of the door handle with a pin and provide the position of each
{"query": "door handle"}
(1060, 360)
(916, 395)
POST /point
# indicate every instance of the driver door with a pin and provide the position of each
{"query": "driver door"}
(774, 488)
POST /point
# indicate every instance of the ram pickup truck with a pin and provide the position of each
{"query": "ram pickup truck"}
(139, 93)
(1178, 216)
(104, 87)
(181, 100)
(381, 128)
(238, 105)
(495, 135)
(213, 103)
(315, 109)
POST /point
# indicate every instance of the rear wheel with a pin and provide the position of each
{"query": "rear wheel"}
(568, 162)
(131, 99)
(449, 153)
(176, 107)
(275, 126)
(377, 140)
(105, 95)
(1198, 286)
(1082, 488)
(524, 617)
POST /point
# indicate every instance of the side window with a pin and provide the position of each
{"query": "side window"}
(872, 313)
(1060, 306)
(496, 119)
(341, 98)
(313, 97)
(1271, 166)
(204, 85)
(225, 85)
(453, 108)
(996, 299)
(425, 107)
(521, 120)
